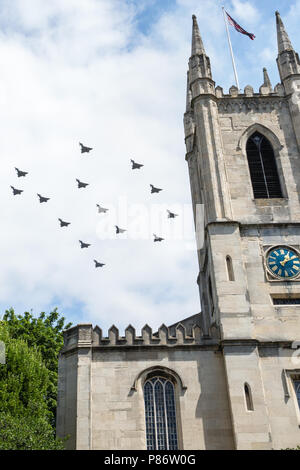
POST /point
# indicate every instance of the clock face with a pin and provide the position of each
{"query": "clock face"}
(283, 262)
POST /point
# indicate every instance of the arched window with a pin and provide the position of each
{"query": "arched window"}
(263, 169)
(248, 396)
(160, 411)
(229, 266)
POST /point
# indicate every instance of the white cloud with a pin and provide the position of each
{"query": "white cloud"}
(121, 102)
(245, 11)
(80, 70)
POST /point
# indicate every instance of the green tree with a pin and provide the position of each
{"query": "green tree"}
(27, 433)
(46, 334)
(24, 383)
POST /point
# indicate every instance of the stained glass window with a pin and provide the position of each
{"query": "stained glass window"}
(160, 411)
(150, 422)
(263, 169)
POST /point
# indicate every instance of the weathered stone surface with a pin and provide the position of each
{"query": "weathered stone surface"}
(240, 338)
(243, 228)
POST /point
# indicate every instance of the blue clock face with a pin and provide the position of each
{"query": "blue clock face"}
(283, 262)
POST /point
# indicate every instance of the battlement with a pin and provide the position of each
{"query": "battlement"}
(266, 100)
(84, 335)
(264, 90)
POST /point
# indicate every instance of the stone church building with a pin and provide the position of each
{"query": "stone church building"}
(228, 377)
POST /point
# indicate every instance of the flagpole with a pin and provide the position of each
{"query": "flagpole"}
(230, 47)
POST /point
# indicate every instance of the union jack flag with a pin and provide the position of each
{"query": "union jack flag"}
(238, 27)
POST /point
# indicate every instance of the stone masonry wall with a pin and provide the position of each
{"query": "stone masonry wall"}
(109, 407)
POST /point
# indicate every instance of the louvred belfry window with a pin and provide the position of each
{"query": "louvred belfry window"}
(263, 169)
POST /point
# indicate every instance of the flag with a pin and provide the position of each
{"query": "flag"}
(238, 27)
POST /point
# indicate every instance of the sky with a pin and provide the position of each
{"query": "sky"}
(110, 74)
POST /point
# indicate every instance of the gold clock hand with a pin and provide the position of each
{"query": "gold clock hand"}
(286, 259)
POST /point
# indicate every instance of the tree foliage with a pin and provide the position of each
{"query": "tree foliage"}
(25, 419)
(28, 380)
(43, 333)
(27, 432)
(23, 378)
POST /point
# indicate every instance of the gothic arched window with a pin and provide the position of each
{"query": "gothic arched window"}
(229, 266)
(263, 168)
(160, 411)
(248, 396)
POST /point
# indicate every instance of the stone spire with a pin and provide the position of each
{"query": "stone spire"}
(200, 77)
(284, 43)
(188, 121)
(267, 81)
(288, 63)
(288, 59)
(197, 44)
(266, 87)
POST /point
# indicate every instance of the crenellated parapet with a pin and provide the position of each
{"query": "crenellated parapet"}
(85, 335)
(266, 100)
(265, 90)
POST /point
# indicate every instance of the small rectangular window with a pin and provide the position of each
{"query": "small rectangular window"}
(286, 301)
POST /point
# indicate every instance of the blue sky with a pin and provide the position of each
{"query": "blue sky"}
(111, 74)
(150, 12)
(255, 16)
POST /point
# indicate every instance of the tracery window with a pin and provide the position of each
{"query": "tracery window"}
(160, 411)
(263, 168)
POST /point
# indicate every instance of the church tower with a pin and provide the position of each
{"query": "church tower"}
(243, 155)
(229, 377)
